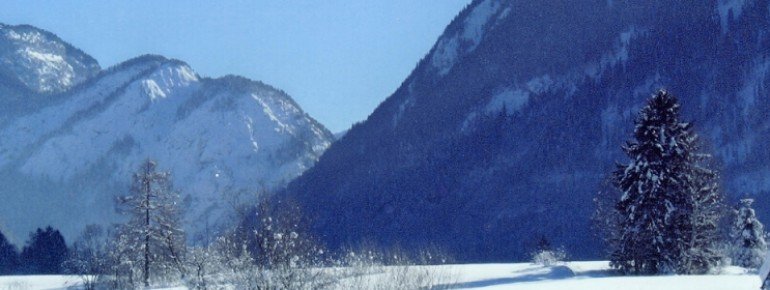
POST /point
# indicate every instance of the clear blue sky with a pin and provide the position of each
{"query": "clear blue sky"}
(337, 58)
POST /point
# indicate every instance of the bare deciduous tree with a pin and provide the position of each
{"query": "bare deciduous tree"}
(152, 242)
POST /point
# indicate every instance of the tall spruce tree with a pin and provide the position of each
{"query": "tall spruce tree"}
(748, 237)
(153, 238)
(669, 205)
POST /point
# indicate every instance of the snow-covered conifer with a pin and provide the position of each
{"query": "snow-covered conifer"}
(748, 237)
(669, 202)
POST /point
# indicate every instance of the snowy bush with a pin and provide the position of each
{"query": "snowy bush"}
(549, 258)
(202, 264)
(269, 250)
(393, 269)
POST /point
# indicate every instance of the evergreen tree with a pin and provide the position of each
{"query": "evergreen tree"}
(748, 235)
(668, 210)
(44, 253)
(152, 240)
(9, 256)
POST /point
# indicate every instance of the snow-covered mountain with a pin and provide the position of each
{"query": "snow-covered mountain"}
(63, 161)
(36, 65)
(39, 61)
(504, 132)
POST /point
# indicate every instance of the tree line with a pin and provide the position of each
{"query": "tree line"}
(44, 253)
(268, 248)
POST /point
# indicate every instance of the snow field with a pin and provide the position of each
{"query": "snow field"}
(592, 275)
(38, 282)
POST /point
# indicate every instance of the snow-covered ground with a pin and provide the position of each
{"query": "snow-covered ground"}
(38, 282)
(592, 276)
(572, 275)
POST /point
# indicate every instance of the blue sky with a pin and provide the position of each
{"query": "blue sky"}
(338, 59)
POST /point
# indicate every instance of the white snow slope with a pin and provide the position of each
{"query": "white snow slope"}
(572, 275)
(64, 163)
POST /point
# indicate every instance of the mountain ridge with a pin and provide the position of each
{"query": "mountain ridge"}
(65, 156)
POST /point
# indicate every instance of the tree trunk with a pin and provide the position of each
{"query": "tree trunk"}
(147, 228)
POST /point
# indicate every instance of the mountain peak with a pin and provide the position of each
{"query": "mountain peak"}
(40, 61)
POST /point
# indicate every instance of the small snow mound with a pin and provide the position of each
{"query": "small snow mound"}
(561, 272)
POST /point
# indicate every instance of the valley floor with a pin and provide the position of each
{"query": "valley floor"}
(572, 275)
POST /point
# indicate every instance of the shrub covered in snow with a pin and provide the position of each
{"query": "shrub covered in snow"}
(371, 269)
(549, 258)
